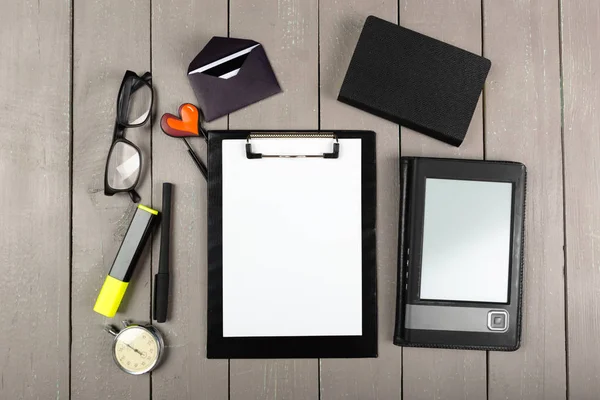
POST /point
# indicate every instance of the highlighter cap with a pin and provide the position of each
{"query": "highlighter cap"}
(110, 296)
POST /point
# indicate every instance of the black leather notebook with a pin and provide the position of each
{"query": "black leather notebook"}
(460, 263)
(414, 80)
(291, 244)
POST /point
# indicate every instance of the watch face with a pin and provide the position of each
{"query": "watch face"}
(136, 350)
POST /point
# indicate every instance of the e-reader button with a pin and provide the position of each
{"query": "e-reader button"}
(498, 320)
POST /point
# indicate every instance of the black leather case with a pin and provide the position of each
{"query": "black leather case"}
(414, 80)
(413, 171)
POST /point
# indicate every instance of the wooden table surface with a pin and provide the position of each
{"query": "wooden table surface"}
(61, 63)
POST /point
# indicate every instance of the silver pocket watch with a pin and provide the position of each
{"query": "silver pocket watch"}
(137, 349)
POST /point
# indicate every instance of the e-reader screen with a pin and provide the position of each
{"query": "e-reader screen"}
(466, 241)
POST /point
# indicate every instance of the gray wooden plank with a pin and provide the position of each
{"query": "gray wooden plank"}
(522, 114)
(288, 30)
(436, 373)
(110, 36)
(581, 90)
(179, 32)
(34, 205)
(340, 26)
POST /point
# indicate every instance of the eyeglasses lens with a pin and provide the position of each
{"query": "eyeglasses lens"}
(140, 101)
(123, 166)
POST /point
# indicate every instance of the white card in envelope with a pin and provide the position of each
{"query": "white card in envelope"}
(292, 239)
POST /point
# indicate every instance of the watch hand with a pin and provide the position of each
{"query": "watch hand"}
(136, 350)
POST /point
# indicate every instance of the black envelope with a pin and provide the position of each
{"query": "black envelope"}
(230, 74)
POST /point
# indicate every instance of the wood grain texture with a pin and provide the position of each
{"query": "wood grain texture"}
(179, 31)
(35, 60)
(428, 373)
(523, 124)
(288, 30)
(340, 26)
(110, 36)
(522, 115)
(581, 88)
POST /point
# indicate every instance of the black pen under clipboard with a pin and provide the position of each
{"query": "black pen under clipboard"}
(196, 159)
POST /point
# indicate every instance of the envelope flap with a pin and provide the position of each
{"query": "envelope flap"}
(257, 66)
(217, 48)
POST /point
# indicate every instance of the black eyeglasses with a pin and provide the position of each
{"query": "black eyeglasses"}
(124, 162)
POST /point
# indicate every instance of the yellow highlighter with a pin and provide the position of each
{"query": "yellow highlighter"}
(118, 277)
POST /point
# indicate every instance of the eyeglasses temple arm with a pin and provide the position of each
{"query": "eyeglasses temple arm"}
(135, 197)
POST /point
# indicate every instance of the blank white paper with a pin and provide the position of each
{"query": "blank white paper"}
(466, 240)
(292, 240)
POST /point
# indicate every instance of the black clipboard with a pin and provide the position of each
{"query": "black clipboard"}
(361, 345)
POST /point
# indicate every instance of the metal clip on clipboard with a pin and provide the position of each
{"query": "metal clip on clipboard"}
(287, 135)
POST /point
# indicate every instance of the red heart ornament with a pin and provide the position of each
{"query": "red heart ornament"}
(187, 125)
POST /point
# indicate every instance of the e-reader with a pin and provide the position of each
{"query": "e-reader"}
(460, 258)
